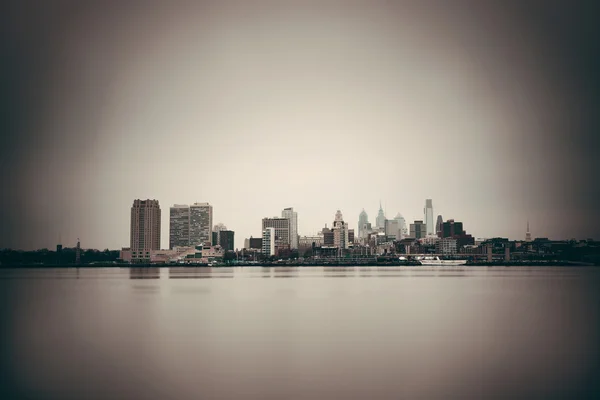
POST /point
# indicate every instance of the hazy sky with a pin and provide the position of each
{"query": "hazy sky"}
(488, 108)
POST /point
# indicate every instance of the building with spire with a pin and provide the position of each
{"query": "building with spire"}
(380, 220)
(528, 234)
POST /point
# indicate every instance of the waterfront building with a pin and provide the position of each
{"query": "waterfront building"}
(328, 240)
(446, 246)
(380, 220)
(282, 229)
(268, 241)
(350, 236)
(200, 224)
(179, 226)
(145, 229)
(418, 230)
(254, 243)
(292, 216)
(308, 242)
(428, 212)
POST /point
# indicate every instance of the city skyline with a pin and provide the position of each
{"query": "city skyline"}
(490, 110)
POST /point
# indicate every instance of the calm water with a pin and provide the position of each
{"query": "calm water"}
(332, 333)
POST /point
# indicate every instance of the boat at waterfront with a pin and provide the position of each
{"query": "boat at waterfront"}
(441, 262)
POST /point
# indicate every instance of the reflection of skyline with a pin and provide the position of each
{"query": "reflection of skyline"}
(144, 273)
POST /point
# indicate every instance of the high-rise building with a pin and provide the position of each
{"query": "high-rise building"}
(292, 215)
(528, 234)
(392, 229)
(268, 241)
(380, 220)
(446, 246)
(179, 226)
(145, 228)
(428, 211)
(216, 233)
(439, 226)
(224, 238)
(363, 223)
(452, 228)
(282, 229)
(401, 226)
(418, 230)
(200, 223)
(340, 231)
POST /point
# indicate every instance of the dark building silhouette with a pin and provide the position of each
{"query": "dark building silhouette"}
(452, 228)
(255, 243)
(224, 239)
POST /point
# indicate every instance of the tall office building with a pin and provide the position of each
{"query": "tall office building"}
(401, 226)
(145, 228)
(200, 223)
(282, 229)
(439, 226)
(363, 221)
(380, 220)
(428, 211)
(179, 226)
(418, 230)
(224, 238)
(452, 229)
(340, 232)
(392, 229)
(268, 241)
(528, 234)
(290, 214)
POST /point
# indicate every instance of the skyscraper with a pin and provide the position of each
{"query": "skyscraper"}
(290, 214)
(380, 220)
(200, 223)
(428, 211)
(340, 231)
(282, 229)
(528, 234)
(418, 230)
(439, 226)
(179, 226)
(145, 228)
(363, 221)
(401, 225)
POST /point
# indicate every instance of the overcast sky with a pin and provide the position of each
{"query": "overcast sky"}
(254, 106)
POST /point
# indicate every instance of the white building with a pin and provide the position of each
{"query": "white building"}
(268, 242)
(402, 226)
(380, 220)
(428, 211)
(363, 224)
(292, 216)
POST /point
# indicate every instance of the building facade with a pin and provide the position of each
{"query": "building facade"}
(268, 241)
(282, 229)
(446, 246)
(428, 213)
(380, 220)
(340, 232)
(200, 224)
(179, 226)
(363, 224)
(292, 216)
(145, 229)
(418, 230)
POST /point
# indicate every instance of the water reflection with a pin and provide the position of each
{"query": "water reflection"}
(144, 273)
(200, 272)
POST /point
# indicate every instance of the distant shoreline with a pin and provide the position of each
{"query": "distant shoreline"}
(322, 264)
